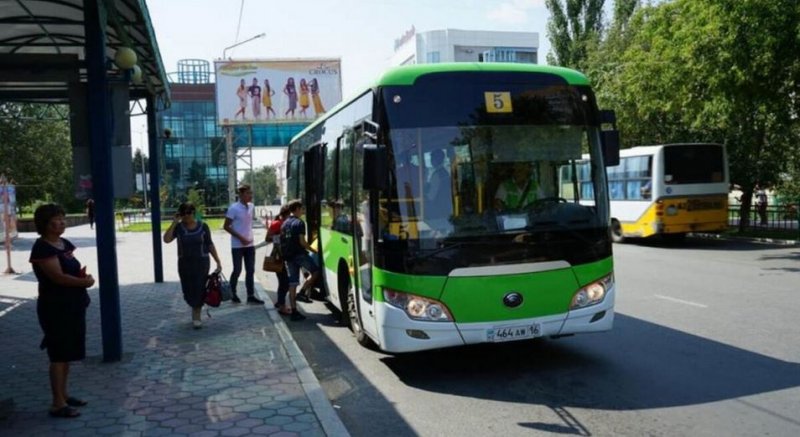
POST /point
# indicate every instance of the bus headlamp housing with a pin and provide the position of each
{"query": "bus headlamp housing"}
(592, 294)
(418, 307)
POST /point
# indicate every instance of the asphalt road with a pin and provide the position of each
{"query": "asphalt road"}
(706, 342)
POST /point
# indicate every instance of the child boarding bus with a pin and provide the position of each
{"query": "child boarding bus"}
(434, 199)
(665, 190)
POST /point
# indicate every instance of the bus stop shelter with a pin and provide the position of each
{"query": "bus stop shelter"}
(88, 54)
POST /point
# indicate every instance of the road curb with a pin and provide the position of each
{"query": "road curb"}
(747, 239)
(330, 421)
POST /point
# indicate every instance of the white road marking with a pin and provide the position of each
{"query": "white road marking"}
(686, 302)
(14, 303)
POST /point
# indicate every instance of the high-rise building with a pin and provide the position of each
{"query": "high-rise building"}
(454, 45)
(194, 155)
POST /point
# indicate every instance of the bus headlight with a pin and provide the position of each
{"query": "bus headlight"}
(592, 294)
(418, 307)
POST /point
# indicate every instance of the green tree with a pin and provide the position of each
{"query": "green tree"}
(35, 151)
(195, 196)
(264, 182)
(140, 163)
(575, 29)
(712, 70)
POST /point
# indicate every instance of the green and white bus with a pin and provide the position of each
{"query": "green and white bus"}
(400, 186)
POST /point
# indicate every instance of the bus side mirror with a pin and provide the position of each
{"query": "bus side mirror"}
(610, 143)
(376, 167)
(609, 139)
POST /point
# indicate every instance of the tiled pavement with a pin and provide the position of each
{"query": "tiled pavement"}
(241, 374)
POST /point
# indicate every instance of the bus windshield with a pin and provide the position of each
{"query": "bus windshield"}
(480, 180)
(693, 164)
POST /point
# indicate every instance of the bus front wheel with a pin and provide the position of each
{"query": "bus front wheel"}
(355, 324)
(616, 231)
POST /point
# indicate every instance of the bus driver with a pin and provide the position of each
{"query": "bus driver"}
(518, 191)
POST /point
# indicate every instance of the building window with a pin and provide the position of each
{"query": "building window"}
(509, 55)
(432, 57)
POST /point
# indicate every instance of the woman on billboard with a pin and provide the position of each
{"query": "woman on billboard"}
(303, 97)
(241, 92)
(266, 99)
(291, 92)
(318, 108)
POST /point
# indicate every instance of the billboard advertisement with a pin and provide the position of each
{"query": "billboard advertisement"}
(276, 91)
(8, 209)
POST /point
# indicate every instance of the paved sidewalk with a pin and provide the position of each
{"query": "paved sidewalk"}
(241, 374)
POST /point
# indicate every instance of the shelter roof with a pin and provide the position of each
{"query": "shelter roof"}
(43, 41)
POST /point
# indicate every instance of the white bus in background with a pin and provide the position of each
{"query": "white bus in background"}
(664, 190)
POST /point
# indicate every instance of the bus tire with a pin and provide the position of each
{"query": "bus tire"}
(616, 232)
(355, 323)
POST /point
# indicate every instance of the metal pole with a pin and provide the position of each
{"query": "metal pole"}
(99, 124)
(141, 161)
(155, 188)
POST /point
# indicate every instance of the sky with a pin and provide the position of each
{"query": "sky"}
(360, 32)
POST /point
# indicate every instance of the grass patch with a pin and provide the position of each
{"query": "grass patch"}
(213, 223)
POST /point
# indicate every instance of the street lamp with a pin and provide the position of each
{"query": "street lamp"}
(261, 35)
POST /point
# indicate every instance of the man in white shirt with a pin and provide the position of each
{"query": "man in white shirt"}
(239, 223)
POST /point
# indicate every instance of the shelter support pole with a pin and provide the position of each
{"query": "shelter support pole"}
(99, 128)
(155, 186)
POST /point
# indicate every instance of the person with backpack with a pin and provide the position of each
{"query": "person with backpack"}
(295, 248)
(274, 236)
(194, 247)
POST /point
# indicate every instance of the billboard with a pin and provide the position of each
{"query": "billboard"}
(276, 91)
(8, 209)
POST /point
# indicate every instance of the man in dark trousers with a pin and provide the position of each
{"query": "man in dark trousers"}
(295, 248)
(239, 223)
(90, 212)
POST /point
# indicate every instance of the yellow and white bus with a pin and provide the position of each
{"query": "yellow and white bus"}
(664, 190)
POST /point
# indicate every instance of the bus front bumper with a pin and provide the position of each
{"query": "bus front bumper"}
(399, 333)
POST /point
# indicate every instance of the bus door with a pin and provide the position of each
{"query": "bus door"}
(364, 207)
(313, 161)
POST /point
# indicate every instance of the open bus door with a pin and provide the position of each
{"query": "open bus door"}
(313, 162)
(365, 205)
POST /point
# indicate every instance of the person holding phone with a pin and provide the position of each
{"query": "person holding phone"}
(61, 306)
(194, 247)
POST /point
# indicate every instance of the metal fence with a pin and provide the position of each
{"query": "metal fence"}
(777, 217)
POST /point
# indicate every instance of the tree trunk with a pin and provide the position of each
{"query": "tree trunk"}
(744, 208)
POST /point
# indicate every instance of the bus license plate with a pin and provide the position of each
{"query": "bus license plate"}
(509, 333)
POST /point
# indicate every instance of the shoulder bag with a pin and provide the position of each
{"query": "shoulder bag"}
(274, 261)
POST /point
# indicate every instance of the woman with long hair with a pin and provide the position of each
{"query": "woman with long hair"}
(274, 237)
(291, 92)
(318, 108)
(266, 99)
(303, 97)
(241, 92)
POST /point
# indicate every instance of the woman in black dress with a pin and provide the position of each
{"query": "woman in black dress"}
(62, 303)
(194, 246)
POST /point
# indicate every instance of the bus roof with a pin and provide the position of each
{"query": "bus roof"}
(652, 149)
(408, 74)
